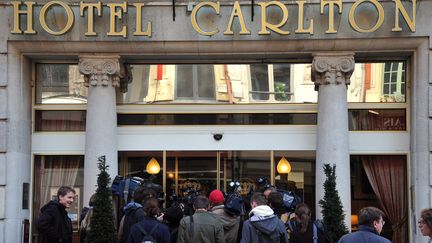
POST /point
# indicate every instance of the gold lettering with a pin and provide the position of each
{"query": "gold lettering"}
(331, 4)
(139, 31)
(18, 12)
(215, 6)
(400, 8)
(236, 12)
(274, 27)
(379, 22)
(114, 15)
(90, 18)
(300, 20)
(43, 13)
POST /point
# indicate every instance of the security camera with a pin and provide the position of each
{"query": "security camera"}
(217, 136)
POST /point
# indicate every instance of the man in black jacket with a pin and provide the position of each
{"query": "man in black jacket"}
(53, 223)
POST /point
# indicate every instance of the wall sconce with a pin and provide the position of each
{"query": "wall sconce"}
(153, 167)
(283, 167)
(354, 219)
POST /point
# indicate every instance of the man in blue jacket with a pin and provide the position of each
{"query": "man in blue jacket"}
(370, 226)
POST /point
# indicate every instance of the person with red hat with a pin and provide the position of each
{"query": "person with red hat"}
(230, 222)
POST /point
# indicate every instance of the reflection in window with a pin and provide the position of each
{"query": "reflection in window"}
(195, 81)
(377, 119)
(394, 81)
(270, 82)
(378, 82)
(49, 120)
(190, 173)
(54, 171)
(259, 83)
(60, 84)
(245, 166)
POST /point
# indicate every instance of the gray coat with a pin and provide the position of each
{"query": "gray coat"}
(229, 222)
(206, 229)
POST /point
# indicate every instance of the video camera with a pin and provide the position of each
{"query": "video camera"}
(124, 187)
(234, 202)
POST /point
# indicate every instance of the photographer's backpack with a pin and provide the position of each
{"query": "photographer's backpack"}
(147, 236)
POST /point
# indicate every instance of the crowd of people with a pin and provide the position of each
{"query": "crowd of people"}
(210, 220)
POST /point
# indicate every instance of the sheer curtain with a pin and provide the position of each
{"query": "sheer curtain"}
(57, 171)
(387, 176)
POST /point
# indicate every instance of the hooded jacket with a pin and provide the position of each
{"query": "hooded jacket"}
(263, 227)
(133, 213)
(229, 222)
(53, 224)
(364, 234)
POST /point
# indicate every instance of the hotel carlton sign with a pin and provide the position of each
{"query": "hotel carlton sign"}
(27, 14)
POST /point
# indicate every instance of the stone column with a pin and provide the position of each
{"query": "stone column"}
(102, 76)
(331, 74)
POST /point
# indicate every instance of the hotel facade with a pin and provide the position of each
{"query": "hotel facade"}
(213, 92)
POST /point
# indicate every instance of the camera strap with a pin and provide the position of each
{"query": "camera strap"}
(191, 229)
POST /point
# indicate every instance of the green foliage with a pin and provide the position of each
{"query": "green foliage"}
(280, 87)
(102, 227)
(332, 210)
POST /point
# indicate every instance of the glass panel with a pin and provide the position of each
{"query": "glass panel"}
(59, 84)
(378, 82)
(190, 174)
(301, 178)
(137, 90)
(218, 119)
(52, 172)
(259, 81)
(49, 120)
(206, 82)
(376, 120)
(137, 165)
(281, 74)
(185, 80)
(245, 166)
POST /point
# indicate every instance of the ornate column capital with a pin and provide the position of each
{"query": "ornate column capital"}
(100, 70)
(332, 68)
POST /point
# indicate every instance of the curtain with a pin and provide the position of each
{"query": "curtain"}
(56, 171)
(387, 176)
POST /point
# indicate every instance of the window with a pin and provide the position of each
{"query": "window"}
(60, 84)
(270, 82)
(54, 171)
(49, 120)
(394, 82)
(195, 82)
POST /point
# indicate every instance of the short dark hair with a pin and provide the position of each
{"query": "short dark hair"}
(368, 215)
(259, 198)
(275, 199)
(426, 216)
(63, 190)
(142, 193)
(201, 202)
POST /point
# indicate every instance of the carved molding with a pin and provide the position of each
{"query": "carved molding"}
(332, 69)
(100, 70)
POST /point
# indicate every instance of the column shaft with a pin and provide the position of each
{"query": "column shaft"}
(102, 75)
(331, 75)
